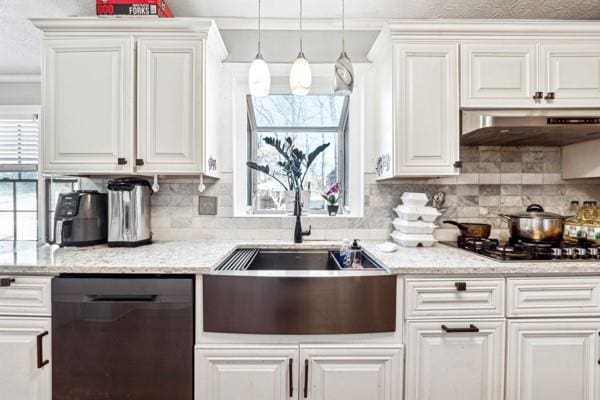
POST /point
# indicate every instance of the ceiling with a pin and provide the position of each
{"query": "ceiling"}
(20, 42)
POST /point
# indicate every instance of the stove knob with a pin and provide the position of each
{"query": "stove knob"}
(556, 253)
(593, 252)
(581, 253)
(569, 252)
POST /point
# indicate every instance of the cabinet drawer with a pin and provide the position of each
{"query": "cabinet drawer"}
(27, 295)
(553, 297)
(454, 298)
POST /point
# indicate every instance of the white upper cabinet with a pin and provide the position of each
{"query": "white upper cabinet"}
(90, 106)
(416, 107)
(87, 105)
(533, 74)
(427, 107)
(553, 360)
(496, 73)
(169, 105)
(571, 72)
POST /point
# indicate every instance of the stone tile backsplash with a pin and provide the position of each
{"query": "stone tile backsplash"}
(494, 180)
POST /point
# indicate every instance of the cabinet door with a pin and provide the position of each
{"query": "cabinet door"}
(572, 72)
(170, 129)
(553, 360)
(351, 372)
(87, 105)
(498, 74)
(249, 372)
(455, 365)
(20, 376)
(427, 108)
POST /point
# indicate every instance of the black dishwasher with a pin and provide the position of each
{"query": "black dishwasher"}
(117, 337)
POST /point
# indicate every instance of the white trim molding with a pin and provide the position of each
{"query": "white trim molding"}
(20, 78)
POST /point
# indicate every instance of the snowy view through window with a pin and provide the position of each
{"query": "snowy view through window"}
(309, 121)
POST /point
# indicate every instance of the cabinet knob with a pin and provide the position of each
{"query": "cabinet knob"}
(538, 95)
(460, 286)
(458, 164)
(5, 282)
(139, 162)
(550, 96)
(121, 161)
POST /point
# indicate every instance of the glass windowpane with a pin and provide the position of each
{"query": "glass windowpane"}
(7, 226)
(27, 226)
(6, 196)
(26, 196)
(298, 111)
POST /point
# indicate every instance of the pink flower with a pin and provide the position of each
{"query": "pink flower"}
(336, 188)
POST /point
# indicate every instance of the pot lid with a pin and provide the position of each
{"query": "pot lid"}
(533, 211)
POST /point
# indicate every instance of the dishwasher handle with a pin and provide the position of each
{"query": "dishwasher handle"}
(122, 298)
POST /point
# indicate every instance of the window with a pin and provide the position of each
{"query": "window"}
(309, 121)
(18, 176)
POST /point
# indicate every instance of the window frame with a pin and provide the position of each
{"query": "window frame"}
(252, 135)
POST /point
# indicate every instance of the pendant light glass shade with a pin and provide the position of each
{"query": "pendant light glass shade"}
(259, 76)
(344, 76)
(344, 73)
(300, 74)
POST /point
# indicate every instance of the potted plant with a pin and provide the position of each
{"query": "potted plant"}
(290, 171)
(332, 198)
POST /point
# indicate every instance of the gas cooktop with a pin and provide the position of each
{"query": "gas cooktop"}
(524, 251)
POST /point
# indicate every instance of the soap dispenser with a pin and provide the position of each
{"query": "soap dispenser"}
(356, 254)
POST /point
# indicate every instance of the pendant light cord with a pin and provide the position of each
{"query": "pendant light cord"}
(301, 50)
(343, 26)
(259, 31)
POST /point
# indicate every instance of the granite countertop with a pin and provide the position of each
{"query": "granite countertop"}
(200, 257)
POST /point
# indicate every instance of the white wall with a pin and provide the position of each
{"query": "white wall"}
(20, 90)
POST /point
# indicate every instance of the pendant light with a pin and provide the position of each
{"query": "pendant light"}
(300, 74)
(259, 77)
(344, 73)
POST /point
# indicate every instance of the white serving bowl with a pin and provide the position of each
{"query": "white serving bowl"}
(414, 199)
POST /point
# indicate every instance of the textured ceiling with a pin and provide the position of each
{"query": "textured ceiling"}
(19, 41)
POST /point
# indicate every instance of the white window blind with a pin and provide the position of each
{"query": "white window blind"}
(19, 142)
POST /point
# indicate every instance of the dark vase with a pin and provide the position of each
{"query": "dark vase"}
(333, 210)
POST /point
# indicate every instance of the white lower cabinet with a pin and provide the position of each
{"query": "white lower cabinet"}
(351, 372)
(324, 372)
(455, 360)
(25, 351)
(248, 372)
(553, 360)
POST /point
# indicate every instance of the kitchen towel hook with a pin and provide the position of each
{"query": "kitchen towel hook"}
(201, 185)
(155, 185)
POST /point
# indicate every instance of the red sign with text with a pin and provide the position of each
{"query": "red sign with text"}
(151, 8)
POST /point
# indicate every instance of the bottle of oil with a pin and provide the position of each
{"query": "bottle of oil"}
(594, 228)
(572, 225)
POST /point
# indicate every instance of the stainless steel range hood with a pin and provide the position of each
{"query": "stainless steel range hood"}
(557, 127)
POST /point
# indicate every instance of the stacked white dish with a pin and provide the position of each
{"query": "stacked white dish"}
(415, 223)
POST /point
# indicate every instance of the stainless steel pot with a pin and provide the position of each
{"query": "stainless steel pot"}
(536, 225)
